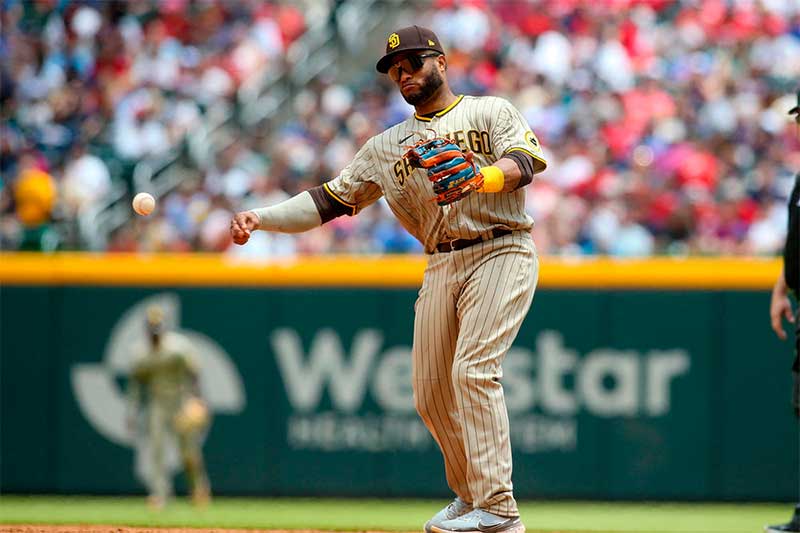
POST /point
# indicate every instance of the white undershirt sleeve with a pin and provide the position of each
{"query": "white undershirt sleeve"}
(295, 215)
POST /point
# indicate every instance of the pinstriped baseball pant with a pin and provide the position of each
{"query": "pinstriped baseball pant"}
(469, 311)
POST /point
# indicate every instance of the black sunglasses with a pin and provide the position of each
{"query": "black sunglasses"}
(409, 65)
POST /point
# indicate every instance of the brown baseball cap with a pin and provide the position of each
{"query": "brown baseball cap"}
(410, 38)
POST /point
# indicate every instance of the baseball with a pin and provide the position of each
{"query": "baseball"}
(144, 203)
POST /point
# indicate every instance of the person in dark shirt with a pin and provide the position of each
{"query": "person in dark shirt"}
(781, 307)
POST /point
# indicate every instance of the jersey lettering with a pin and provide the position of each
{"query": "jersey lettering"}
(402, 170)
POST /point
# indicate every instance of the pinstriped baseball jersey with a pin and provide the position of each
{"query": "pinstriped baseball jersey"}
(473, 300)
(488, 126)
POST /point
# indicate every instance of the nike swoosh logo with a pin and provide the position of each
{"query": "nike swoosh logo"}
(482, 527)
(496, 527)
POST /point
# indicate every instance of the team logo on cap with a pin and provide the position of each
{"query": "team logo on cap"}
(394, 41)
(431, 43)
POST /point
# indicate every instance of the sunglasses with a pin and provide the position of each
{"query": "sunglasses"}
(409, 65)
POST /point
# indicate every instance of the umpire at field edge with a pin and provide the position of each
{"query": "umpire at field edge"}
(781, 307)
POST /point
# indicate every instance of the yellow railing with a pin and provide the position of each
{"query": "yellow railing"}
(365, 271)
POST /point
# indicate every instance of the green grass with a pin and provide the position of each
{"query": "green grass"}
(392, 515)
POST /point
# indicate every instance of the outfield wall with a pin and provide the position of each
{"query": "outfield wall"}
(653, 379)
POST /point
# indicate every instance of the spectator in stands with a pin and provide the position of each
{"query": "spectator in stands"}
(663, 120)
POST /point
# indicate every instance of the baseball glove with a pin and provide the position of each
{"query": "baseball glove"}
(192, 416)
(450, 169)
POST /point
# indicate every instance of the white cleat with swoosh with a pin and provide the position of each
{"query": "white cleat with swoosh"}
(480, 521)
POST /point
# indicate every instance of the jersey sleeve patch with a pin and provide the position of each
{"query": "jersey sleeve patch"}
(531, 139)
(511, 132)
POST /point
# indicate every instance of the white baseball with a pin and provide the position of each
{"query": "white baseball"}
(144, 203)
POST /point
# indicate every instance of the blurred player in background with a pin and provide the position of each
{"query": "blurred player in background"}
(781, 306)
(174, 411)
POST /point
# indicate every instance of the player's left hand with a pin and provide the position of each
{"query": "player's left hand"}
(780, 307)
(192, 416)
(450, 169)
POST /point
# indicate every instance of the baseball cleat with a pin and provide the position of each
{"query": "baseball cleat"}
(454, 509)
(783, 528)
(792, 527)
(156, 503)
(201, 496)
(480, 521)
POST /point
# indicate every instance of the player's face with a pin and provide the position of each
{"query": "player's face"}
(418, 77)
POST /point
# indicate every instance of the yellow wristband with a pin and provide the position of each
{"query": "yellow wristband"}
(493, 179)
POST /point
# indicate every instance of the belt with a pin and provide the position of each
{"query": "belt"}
(460, 244)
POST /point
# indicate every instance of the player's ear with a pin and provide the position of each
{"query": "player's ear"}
(441, 60)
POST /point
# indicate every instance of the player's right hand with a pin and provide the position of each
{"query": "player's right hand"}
(780, 307)
(242, 224)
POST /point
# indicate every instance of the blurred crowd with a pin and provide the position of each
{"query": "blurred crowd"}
(88, 88)
(664, 123)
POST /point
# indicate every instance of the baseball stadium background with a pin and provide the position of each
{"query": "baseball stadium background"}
(646, 390)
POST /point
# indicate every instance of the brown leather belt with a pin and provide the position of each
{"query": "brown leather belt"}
(460, 244)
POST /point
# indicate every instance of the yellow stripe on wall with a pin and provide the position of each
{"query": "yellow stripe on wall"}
(364, 271)
(660, 273)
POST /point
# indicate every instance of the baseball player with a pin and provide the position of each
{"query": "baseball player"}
(781, 307)
(167, 374)
(454, 175)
